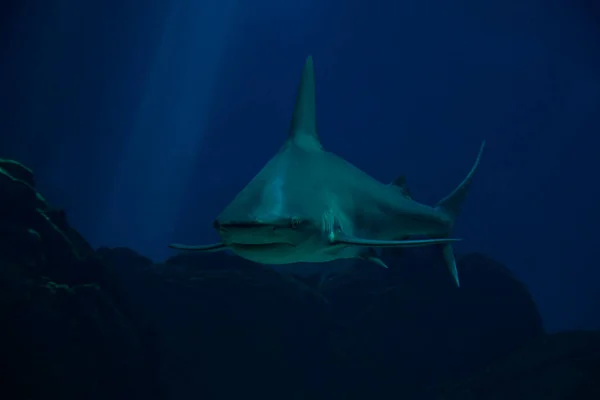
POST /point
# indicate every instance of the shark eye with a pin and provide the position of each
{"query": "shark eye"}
(294, 222)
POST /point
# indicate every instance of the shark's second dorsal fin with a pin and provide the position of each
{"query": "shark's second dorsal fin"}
(400, 183)
(303, 128)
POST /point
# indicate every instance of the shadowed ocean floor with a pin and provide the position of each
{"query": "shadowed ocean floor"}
(110, 324)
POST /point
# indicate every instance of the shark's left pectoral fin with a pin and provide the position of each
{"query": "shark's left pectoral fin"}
(371, 255)
(207, 248)
(355, 241)
(376, 260)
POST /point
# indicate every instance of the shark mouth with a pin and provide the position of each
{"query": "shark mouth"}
(250, 236)
(237, 225)
(234, 225)
(261, 246)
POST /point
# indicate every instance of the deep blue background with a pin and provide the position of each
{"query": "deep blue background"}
(144, 118)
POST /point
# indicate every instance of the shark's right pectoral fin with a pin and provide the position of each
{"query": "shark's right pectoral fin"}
(355, 241)
(207, 248)
(450, 261)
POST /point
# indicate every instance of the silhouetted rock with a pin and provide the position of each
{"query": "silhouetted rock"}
(34, 234)
(233, 328)
(218, 260)
(408, 332)
(555, 367)
(65, 333)
(111, 324)
(495, 310)
(123, 256)
(313, 280)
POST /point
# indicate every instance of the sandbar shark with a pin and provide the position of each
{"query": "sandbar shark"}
(310, 205)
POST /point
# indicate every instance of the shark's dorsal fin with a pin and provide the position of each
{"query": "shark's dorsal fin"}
(400, 183)
(303, 128)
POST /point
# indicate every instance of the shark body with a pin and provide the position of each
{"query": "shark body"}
(310, 205)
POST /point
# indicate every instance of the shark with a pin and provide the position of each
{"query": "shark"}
(308, 205)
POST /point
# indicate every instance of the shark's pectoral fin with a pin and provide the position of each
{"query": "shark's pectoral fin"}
(354, 241)
(371, 255)
(448, 254)
(376, 260)
(208, 248)
(450, 261)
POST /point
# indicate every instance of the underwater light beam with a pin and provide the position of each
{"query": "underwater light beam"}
(157, 158)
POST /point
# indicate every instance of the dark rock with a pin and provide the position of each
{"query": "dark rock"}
(18, 171)
(232, 328)
(124, 257)
(313, 281)
(219, 260)
(68, 341)
(30, 228)
(79, 323)
(18, 196)
(66, 331)
(495, 310)
(555, 367)
(394, 326)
